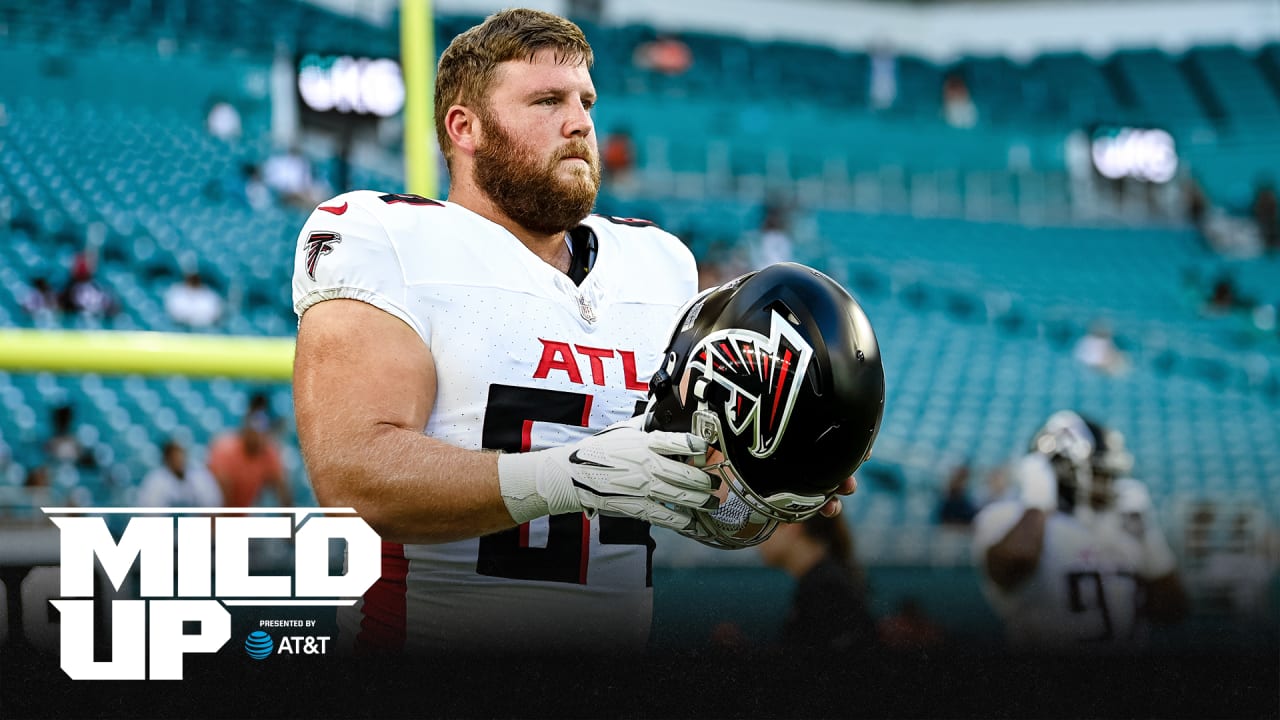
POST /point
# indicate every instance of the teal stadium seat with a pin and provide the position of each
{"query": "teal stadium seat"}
(1162, 94)
(975, 318)
(1237, 86)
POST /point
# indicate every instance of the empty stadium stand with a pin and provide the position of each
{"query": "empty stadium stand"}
(960, 243)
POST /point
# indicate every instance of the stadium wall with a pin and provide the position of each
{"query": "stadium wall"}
(938, 30)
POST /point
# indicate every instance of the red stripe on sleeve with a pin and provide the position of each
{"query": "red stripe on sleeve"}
(526, 436)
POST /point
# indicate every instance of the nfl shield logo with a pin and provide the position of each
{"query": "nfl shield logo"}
(588, 312)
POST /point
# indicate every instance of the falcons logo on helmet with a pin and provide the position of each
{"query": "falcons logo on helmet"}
(763, 376)
(319, 243)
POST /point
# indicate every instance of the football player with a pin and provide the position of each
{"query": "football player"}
(1058, 566)
(507, 318)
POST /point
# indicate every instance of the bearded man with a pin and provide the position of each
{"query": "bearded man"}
(457, 361)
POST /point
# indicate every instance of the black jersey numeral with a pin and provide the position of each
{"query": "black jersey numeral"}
(508, 422)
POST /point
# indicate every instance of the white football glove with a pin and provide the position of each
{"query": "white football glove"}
(1037, 482)
(622, 470)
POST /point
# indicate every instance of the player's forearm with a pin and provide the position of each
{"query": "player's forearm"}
(1016, 556)
(409, 487)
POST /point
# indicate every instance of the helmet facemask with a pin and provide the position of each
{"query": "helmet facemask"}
(744, 517)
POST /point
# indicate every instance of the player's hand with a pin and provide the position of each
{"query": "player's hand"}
(621, 471)
(1037, 482)
(848, 487)
(834, 506)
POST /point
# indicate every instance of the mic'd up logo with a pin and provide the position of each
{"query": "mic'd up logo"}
(175, 560)
(258, 645)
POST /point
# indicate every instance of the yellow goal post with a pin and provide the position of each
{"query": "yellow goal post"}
(146, 353)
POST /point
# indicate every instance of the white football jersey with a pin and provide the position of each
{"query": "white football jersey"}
(1084, 593)
(525, 360)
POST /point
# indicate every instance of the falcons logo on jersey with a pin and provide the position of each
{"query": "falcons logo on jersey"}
(319, 243)
(763, 376)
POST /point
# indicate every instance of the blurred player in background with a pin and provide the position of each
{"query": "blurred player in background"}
(504, 319)
(1077, 562)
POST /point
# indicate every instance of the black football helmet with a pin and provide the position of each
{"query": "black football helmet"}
(780, 371)
(1087, 459)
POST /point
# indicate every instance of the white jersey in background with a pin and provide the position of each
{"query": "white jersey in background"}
(162, 488)
(1084, 593)
(525, 360)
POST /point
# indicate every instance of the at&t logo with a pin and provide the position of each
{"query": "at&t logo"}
(259, 645)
